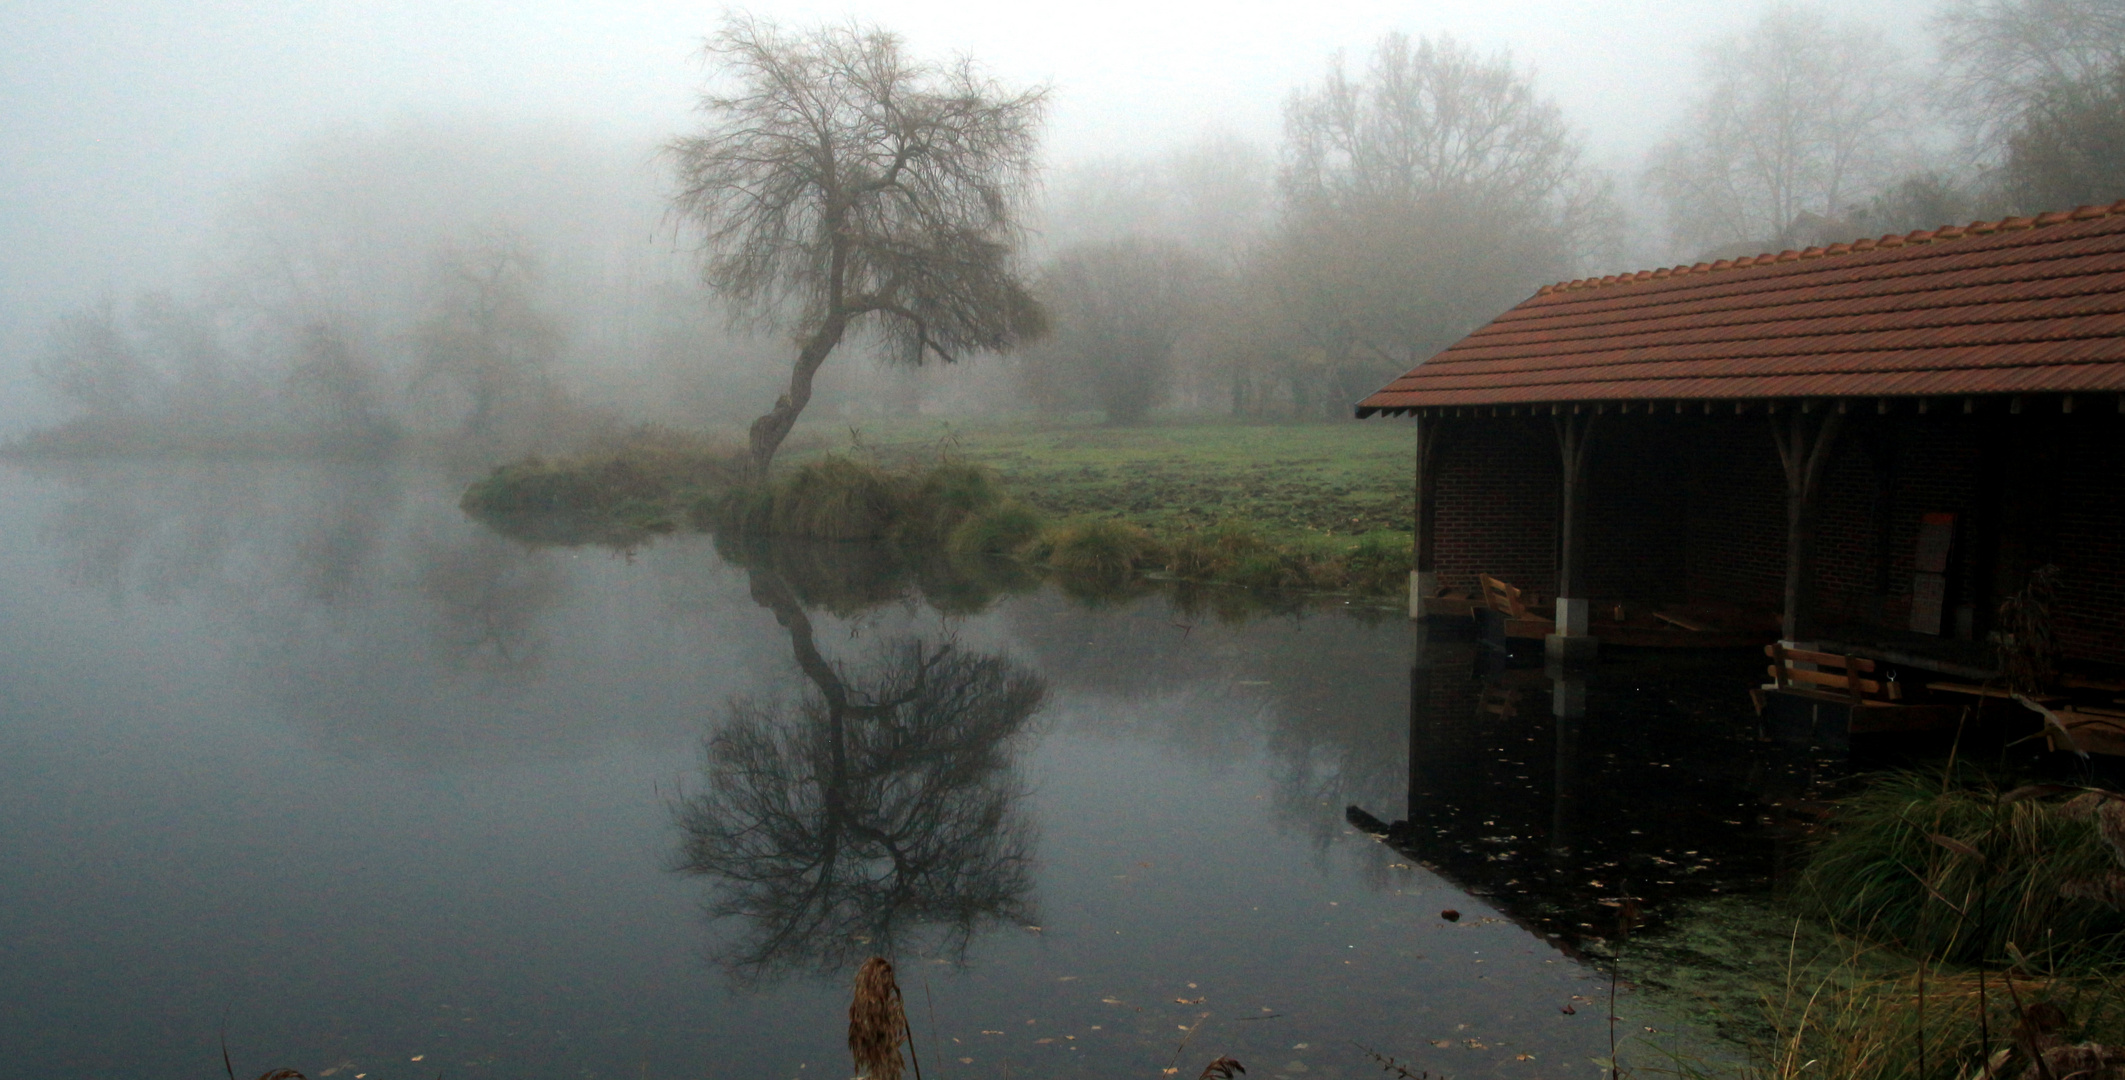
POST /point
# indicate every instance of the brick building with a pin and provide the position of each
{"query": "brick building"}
(1873, 442)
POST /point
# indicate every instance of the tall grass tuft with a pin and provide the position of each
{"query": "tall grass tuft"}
(1968, 873)
(645, 468)
(837, 498)
(944, 497)
(1005, 528)
(1216, 552)
(1100, 549)
(1380, 562)
(1925, 1024)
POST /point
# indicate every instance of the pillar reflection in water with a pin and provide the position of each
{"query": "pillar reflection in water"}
(1568, 710)
(1495, 786)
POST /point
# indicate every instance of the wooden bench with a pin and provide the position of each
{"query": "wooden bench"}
(2083, 729)
(1845, 677)
(1521, 618)
(1869, 704)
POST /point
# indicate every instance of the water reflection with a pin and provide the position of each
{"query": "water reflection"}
(489, 597)
(876, 813)
(1556, 791)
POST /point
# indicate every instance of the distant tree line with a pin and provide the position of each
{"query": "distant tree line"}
(486, 288)
(511, 290)
(1418, 194)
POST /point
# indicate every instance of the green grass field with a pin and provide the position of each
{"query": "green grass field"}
(1332, 478)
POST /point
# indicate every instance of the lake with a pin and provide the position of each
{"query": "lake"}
(298, 756)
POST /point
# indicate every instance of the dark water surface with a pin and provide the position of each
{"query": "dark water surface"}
(303, 750)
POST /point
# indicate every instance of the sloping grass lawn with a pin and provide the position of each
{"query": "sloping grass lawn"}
(1332, 477)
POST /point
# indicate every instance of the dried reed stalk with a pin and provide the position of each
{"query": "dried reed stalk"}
(877, 1021)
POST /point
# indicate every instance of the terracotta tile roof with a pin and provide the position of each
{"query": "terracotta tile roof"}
(2022, 305)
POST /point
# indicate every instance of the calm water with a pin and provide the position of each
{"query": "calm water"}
(302, 751)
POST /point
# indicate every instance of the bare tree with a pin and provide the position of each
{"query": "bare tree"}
(1421, 199)
(2070, 148)
(332, 394)
(1798, 119)
(94, 366)
(1120, 308)
(487, 333)
(2004, 58)
(843, 186)
(1215, 194)
(2040, 87)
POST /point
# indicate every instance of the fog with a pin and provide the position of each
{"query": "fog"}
(248, 170)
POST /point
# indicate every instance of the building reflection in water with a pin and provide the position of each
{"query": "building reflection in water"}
(1555, 791)
(877, 813)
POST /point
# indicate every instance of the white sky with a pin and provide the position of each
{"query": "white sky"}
(126, 122)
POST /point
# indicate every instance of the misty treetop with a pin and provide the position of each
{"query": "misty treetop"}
(842, 185)
(498, 289)
(1806, 129)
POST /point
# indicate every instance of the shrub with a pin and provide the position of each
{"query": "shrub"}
(836, 498)
(1002, 529)
(1379, 563)
(1925, 1024)
(1214, 552)
(947, 496)
(1958, 872)
(1102, 549)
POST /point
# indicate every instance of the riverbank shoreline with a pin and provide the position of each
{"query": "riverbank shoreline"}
(1300, 507)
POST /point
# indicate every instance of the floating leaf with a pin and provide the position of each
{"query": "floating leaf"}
(1221, 1069)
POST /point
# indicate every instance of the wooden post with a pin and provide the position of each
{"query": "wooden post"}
(1804, 440)
(1574, 437)
(1423, 564)
(1882, 444)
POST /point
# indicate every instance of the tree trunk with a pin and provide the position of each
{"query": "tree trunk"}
(769, 431)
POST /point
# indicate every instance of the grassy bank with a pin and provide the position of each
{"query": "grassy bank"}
(1944, 925)
(1304, 507)
(1322, 478)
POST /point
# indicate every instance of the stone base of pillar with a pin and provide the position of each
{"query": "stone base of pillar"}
(1422, 584)
(1573, 616)
(1571, 647)
(1568, 697)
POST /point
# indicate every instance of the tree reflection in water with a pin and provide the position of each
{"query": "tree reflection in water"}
(876, 813)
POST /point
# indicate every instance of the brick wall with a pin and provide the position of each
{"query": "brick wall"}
(1637, 547)
(1497, 504)
(1736, 517)
(1932, 466)
(2090, 551)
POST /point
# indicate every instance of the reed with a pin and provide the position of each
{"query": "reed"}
(1968, 873)
(878, 1023)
